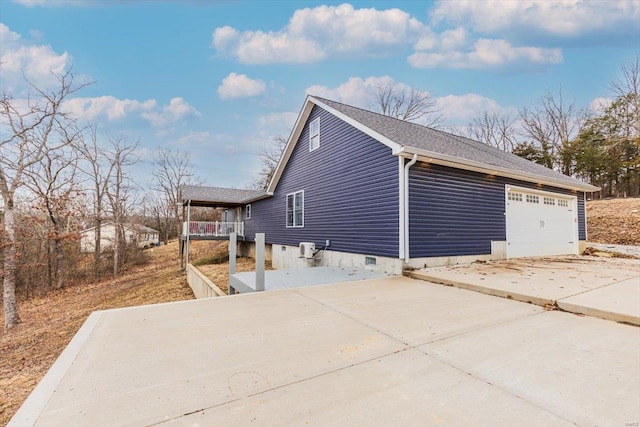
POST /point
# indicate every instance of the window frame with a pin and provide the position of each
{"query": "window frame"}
(294, 209)
(247, 211)
(312, 135)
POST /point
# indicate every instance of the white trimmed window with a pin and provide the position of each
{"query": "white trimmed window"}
(247, 212)
(295, 209)
(563, 203)
(314, 134)
(549, 201)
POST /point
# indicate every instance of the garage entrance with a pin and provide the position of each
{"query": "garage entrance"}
(540, 223)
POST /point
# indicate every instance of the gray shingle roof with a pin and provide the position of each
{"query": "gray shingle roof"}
(223, 196)
(412, 135)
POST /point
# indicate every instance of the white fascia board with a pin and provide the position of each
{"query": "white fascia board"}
(455, 162)
(356, 124)
(291, 142)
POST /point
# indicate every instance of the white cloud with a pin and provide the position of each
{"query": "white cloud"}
(313, 34)
(559, 18)
(176, 110)
(114, 109)
(109, 106)
(19, 58)
(240, 86)
(486, 53)
(461, 109)
(598, 105)
(355, 91)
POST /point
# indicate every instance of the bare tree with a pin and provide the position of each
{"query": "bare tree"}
(407, 104)
(54, 182)
(628, 87)
(495, 129)
(28, 129)
(119, 192)
(551, 125)
(269, 157)
(98, 169)
(171, 171)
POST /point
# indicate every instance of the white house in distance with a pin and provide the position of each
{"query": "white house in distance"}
(143, 236)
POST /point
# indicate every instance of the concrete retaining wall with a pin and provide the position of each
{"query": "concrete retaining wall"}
(201, 286)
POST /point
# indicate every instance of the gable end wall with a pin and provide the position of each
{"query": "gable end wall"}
(350, 189)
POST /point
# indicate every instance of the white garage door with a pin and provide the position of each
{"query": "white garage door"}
(540, 223)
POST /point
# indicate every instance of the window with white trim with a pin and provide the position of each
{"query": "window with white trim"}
(295, 209)
(532, 199)
(314, 134)
(549, 201)
(247, 212)
(515, 196)
(563, 203)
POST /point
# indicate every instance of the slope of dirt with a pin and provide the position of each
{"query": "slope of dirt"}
(218, 273)
(49, 322)
(614, 221)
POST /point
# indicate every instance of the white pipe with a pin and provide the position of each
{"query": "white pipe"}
(406, 206)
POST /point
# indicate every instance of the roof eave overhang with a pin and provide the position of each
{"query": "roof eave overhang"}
(455, 162)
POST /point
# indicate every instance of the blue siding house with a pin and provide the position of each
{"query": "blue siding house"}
(357, 188)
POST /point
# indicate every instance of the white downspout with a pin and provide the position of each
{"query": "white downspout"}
(406, 206)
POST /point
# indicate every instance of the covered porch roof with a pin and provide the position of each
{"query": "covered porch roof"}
(218, 197)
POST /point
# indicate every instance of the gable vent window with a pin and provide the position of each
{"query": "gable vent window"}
(515, 196)
(563, 203)
(532, 199)
(314, 134)
(295, 209)
(549, 201)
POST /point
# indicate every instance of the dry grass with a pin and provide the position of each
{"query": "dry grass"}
(614, 221)
(49, 322)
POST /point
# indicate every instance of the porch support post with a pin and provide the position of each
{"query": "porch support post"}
(259, 261)
(188, 233)
(233, 245)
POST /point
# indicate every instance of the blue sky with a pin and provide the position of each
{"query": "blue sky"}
(221, 78)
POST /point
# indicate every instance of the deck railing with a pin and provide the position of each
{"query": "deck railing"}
(213, 228)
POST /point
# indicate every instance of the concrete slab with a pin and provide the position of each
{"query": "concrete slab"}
(414, 311)
(404, 389)
(343, 354)
(146, 364)
(619, 302)
(546, 281)
(301, 277)
(582, 369)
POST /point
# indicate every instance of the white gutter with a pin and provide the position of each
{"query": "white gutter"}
(406, 206)
(458, 163)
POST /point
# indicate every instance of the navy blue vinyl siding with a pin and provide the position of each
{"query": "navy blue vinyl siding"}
(350, 189)
(456, 212)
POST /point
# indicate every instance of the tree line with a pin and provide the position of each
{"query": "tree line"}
(58, 177)
(600, 146)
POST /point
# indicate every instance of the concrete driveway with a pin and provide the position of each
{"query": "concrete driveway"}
(393, 351)
(608, 288)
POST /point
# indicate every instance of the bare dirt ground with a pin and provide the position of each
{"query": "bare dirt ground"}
(219, 273)
(614, 221)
